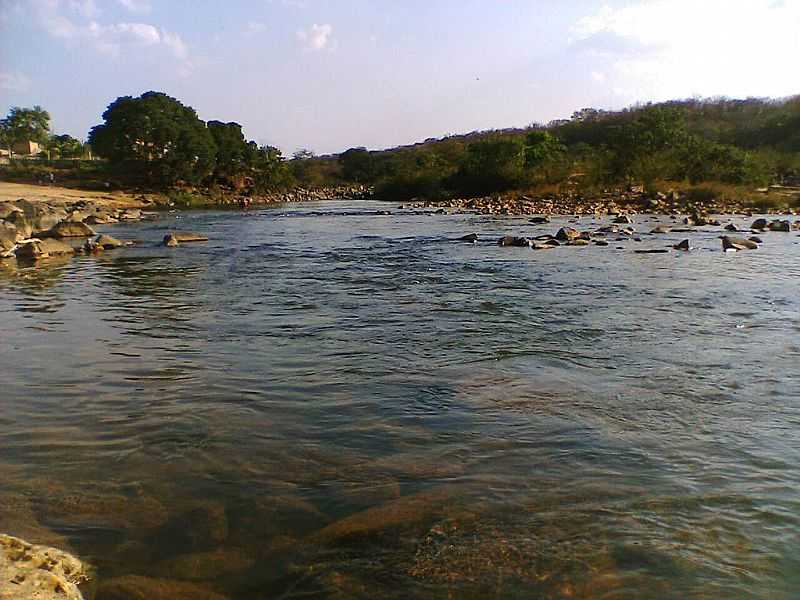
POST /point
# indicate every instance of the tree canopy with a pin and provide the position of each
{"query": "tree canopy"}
(25, 124)
(158, 136)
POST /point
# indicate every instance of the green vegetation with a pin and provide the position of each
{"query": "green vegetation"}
(730, 145)
(24, 125)
(748, 143)
(163, 143)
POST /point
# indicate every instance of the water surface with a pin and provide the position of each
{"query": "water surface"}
(324, 402)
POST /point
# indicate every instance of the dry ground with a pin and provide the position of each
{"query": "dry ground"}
(46, 193)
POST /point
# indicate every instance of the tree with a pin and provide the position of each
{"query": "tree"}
(25, 125)
(156, 136)
(358, 165)
(64, 146)
(232, 151)
(491, 165)
(271, 171)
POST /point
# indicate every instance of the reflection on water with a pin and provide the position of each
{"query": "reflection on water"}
(322, 402)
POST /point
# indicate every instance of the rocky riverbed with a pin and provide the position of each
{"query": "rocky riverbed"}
(610, 202)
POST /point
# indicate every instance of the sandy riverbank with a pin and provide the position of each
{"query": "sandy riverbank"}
(10, 192)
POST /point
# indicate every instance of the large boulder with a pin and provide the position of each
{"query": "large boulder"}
(41, 215)
(65, 229)
(8, 238)
(759, 224)
(45, 248)
(29, 572)
(21, 223)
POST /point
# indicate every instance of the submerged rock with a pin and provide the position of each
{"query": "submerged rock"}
(623, 219)
(661, 229)
(470, 237)
(540, 220)
(188, 236)
(407, 510)
(137, 587)
(29, 572)
(45, 248)
(107, 242)
(513, 240)
(207, 566)
(170, 241)
(652, 251)
(684, 245)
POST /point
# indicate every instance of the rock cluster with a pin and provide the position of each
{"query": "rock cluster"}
(35, 230)
(610, 202)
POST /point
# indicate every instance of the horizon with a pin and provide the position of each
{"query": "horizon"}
(355, 74)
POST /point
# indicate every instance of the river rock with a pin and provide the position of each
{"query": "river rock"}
(100, 218)
(8, 239)
(45, 248)
(201, 527)
(778, 225)
(731, 227)
(684, 245)
(130, 214)
(170, 241)
(137, 587)
(756, 239)
(736, 243)
(540, 220)
(70, 229)
(565, 234)
(107, 242)
(407, 510)
(29, 572)
(623, 219)
(579, 242)
(470, 237)
(21, 223)
(652, 251)
(661, 229)
(7, 209)
(759, 224)
(513, 240)
(188, 236)
(207, 566)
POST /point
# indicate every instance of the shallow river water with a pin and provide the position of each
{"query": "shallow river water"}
(325, 402)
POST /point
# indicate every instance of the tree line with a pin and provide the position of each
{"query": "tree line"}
(163, 142)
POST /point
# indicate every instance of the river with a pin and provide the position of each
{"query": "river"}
(327, 402)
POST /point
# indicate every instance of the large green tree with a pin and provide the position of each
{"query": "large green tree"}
(64, 146)
(157, 136)
(232, 150)
(25, 124)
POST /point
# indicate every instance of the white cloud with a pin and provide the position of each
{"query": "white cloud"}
(254, 28)
(660, 49)
(14, 82)
(111, 39)
(317, 37)
(136, 6)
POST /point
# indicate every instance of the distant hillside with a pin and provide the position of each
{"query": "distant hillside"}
(751, 142)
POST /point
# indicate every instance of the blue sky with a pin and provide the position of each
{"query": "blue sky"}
(331, 74)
